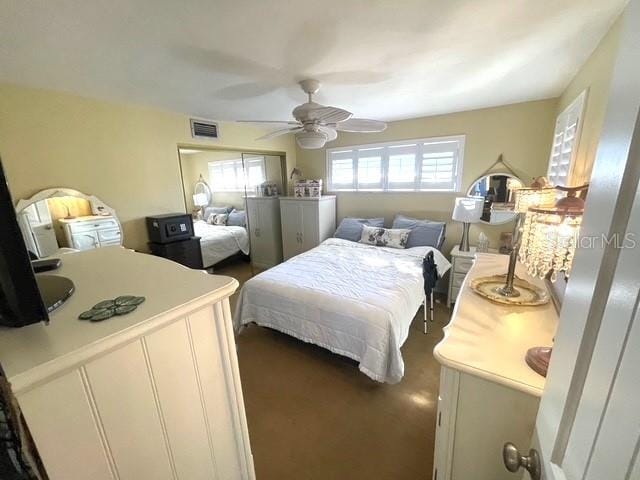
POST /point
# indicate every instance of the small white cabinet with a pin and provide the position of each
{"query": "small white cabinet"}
(85, 233)
(488, 394)
(264, 230)
(306, 222)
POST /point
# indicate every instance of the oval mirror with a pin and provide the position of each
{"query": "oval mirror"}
(201, 188)
(63, 218)
(497, 191)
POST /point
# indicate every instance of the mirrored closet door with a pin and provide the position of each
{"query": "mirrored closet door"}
(228, 194)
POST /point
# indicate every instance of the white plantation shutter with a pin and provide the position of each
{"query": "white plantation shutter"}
(419, 165)
(255, 171)
(402, 172)
(369, 173)
(226, 176)
(565, 142)
(342, 175)
(439, 167)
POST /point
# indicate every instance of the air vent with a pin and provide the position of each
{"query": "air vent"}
(203, 129)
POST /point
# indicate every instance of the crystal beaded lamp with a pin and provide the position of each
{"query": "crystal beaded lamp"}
(550, 236)
(548, 243)
(534, 197)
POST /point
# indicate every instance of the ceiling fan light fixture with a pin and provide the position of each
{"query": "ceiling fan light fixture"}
(311, 140)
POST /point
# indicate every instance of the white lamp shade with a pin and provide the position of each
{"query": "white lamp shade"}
(468, 209)
(200, 200)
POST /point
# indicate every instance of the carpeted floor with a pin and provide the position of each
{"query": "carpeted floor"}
(313, 415)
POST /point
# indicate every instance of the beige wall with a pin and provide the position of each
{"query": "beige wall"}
(124, 154)
(595, 75)
(521, 132)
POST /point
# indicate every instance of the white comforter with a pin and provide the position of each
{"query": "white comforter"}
(218, 242)
(356, 300)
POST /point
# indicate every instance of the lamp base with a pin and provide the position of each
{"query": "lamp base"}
(538, 359)
(507, 291)
(464, 241)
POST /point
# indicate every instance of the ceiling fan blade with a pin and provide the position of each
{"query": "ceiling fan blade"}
(277, 133)
(360, 125)
(330, 114)
(283, 122)
(330, 131)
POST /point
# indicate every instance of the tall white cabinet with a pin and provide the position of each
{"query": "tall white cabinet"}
(264, 230)
(306, 222)
(154, 394)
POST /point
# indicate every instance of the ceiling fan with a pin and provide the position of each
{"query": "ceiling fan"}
(317, 124)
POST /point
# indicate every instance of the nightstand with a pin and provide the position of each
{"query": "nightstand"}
(187, 252)
(461, 263)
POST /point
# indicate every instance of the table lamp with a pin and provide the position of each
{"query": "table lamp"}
(549, 240)
(467, 210)
(538, 194)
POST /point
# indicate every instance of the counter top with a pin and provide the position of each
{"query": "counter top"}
(27, 353)
(490, 340)
(86, 218)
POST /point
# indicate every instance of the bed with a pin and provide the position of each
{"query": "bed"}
(219, 242)
(353, 299)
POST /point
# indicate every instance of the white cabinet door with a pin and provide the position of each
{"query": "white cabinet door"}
(45, 238)
(309, 226)
(85, 241)
(291, 215)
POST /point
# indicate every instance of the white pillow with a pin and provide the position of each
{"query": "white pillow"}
(385, 237)
(218, 219)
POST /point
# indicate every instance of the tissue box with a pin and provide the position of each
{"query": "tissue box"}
(308, 188)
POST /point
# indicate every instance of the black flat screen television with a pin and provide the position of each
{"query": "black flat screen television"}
(25, 297)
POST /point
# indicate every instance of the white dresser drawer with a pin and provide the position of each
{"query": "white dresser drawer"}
(454, 293)
(462, 265)
(109, 223)
(457, 279)
(110, 235)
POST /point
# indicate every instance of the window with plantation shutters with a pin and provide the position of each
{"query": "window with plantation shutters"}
(232, 175)
(565, 142)
(424, 165)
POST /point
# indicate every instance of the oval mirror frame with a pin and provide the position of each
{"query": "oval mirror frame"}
(202, 186)
(96, 203)
(506, 216)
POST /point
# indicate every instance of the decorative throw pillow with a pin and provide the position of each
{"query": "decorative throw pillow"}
(208, 211)
(218, 219)
(385, 237)
(237, 218)
(351, 228)
(423, 232)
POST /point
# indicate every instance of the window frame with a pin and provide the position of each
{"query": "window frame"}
(576, 108)
(353, 187)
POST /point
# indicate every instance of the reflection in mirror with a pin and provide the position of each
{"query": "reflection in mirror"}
(497, 189)
(65, 218)
(220, 218)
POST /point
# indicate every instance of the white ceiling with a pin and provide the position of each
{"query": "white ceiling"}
(239, 59)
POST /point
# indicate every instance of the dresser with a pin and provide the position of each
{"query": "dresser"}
(264, 230)
(93, 231)
(488, 394)
(306, 222)
(154, 394)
